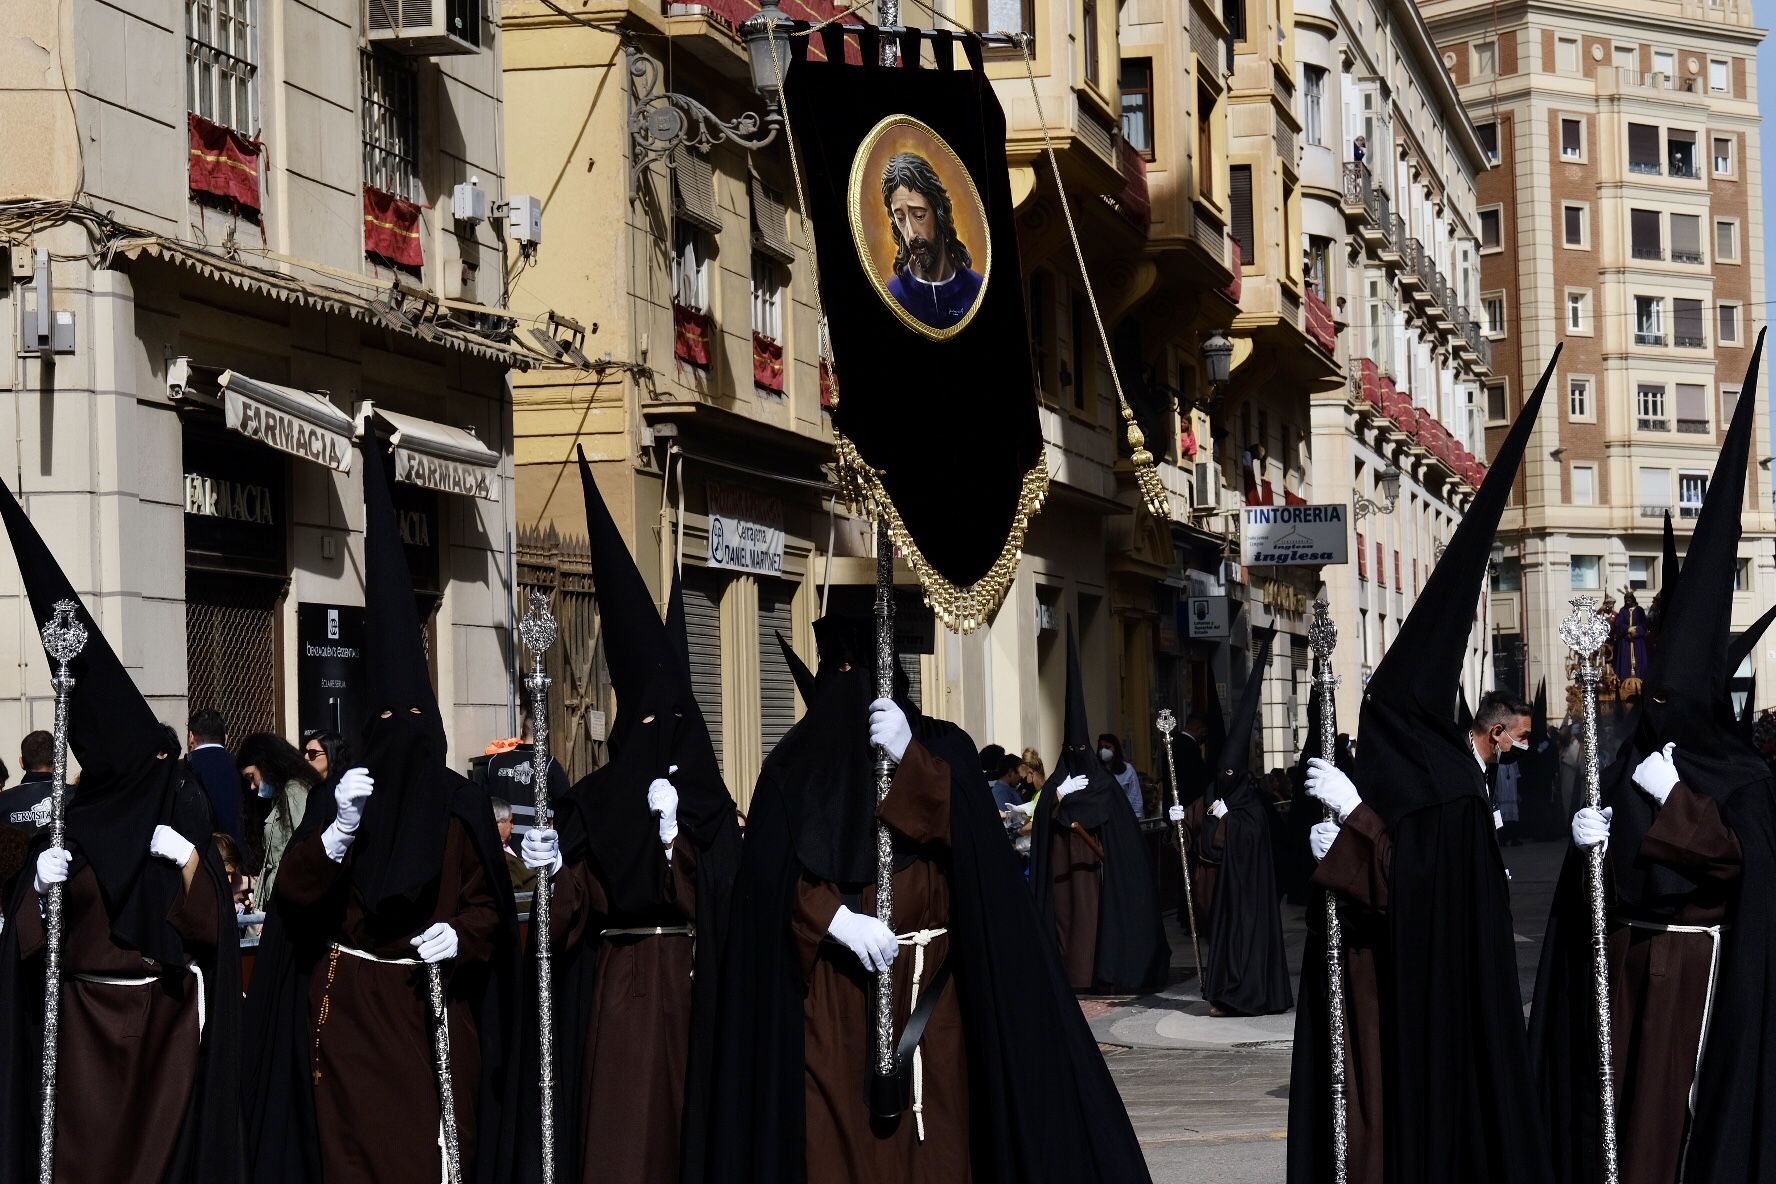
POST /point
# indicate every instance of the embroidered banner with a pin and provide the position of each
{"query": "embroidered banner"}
(391, 229)
(767, 363)
(224, 164)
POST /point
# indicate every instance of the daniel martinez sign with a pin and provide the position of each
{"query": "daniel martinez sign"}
(745, 531)
(1279, 536)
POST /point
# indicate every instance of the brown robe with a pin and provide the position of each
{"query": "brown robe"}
(1205, 862)
(843, 1142)
(1357, 871)
(638, 1044)
(1078, 873)
(128, 1054)
(375, 1084)
(1659, 984)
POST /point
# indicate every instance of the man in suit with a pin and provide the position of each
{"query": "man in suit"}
(205, 746)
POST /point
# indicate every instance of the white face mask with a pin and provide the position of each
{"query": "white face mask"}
(1520, 745)
(1106, 754)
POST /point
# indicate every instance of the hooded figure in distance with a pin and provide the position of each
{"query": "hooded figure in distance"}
(643, 858)
(1090, 870)
(1006, 1082)
(150, 997)
(1245, 971)
(1690, 842)
(1439, 1085)
(397, 869)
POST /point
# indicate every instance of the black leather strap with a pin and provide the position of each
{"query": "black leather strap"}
(915, 1027)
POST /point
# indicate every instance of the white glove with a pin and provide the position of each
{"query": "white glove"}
(541, 849)
(889, 729)
(354, 786)
(1027, 809)
(170, 845)
(1327, 782)
(1176, 813)
(1219, 808)
(1591, 827)
(1657, 774)
(1072, 784)
(1321, 838)
(865, 936)
(663, 802)
(52, 868)
(436, 944)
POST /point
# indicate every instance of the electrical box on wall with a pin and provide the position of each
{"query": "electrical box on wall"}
(468, 201)
(44, 329)
(525, 219)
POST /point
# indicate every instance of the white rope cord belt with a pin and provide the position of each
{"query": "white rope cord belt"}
(918, 939)
(148, 980)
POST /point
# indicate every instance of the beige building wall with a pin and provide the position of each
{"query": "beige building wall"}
(1601, 209)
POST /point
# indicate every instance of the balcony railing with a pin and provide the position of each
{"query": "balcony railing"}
(1412, 251)
(1654, 511)
(1485, 344)
(1678, 256)
(1358, 188)
(1693, 427)
(1641, 337)
(1649, 424)
(1397, 233)
(1646, 251)
(1645, 167)
(1384, 213)
(1690, 343)
(1684, 169)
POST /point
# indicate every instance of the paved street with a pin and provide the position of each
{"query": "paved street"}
(1210, 1098)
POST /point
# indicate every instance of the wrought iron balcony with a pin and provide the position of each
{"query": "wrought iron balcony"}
(1358, 188)
(1693, 427)
(1648, 251)
(1690, 343)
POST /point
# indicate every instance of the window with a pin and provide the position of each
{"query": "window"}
(1205, 144)
(1719, 76)
(1691, 489)
(1578, 311)
(1723, 156)
(1574, 218)
(1491, 229)
(1627, 57)
(1686, 238)
(1665, 63)
(1584, 485)
(1729, 402)
(1741, 575)
(1643, 148)
(767, 297)
(1137, 105)
(391, 125)
(1726, 240)
(1692, 408)
(1005, 16)
(1640, 572)
(1494, 309)
(1587, 573)
(1081, 350)
(1649, 406)
(1507, 575)
(1233, 15)
(1572, 139)
(1578, 399)
(1654, 488)
(1088, 38)
(1313, 105)
(691, 254)
(1649, 320)
(1680, 154)
(221, 47)
(1566, 55)
(1644, 234)
(1726, 324)
(1239, 196)
(1380, 317)
(1319, 265)
(1485, 59)
(1686, 325)
(1489, 140)
(1496, 411)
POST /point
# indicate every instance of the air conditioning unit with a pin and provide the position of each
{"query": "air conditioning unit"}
(1207, 493)
(426, 28)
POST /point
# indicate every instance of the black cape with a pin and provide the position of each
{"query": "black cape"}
(1043, 1108)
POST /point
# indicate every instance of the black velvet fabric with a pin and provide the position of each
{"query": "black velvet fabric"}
(947, 423)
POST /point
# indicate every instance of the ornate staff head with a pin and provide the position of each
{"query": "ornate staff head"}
(537, 626)
(1584, 632)
(64, 636)
(1322, 634)
(1167, 722)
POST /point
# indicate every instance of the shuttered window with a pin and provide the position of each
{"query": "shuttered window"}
(777, 703)
(702, 597)
(693, 188)
(770, 223)
(1239, 189)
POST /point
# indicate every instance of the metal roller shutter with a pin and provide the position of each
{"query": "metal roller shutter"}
(777, 710)
(702, 597)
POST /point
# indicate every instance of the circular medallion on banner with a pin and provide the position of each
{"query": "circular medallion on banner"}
(920, 227)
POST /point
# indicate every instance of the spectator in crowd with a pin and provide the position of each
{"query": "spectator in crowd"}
(523, 878)
(281, 780)
(324, 752)
(1035, 773)
(1007, 786)
(240, 884)
(1110, 752)
(991, 757)
(205, 750)
(509, 768)
(26, 805)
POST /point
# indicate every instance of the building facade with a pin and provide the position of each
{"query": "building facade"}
(1623, 220)
(238, 222)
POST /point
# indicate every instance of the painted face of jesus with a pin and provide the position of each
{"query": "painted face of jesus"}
(917, 223)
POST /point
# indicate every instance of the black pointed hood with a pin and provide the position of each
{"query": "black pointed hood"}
(1747, 641)
(129, 771)
(1411, 754)
(798, 670)
(1538, 715)
(1078, 756)
(1236, 754)
(1670, 565)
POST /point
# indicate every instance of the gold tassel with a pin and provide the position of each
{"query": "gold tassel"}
(1153, 490)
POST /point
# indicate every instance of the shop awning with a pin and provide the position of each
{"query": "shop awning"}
(438, 456)
(300, 423)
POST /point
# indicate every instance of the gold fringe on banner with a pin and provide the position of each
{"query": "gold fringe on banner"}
(1153, 490)
(960, 609)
